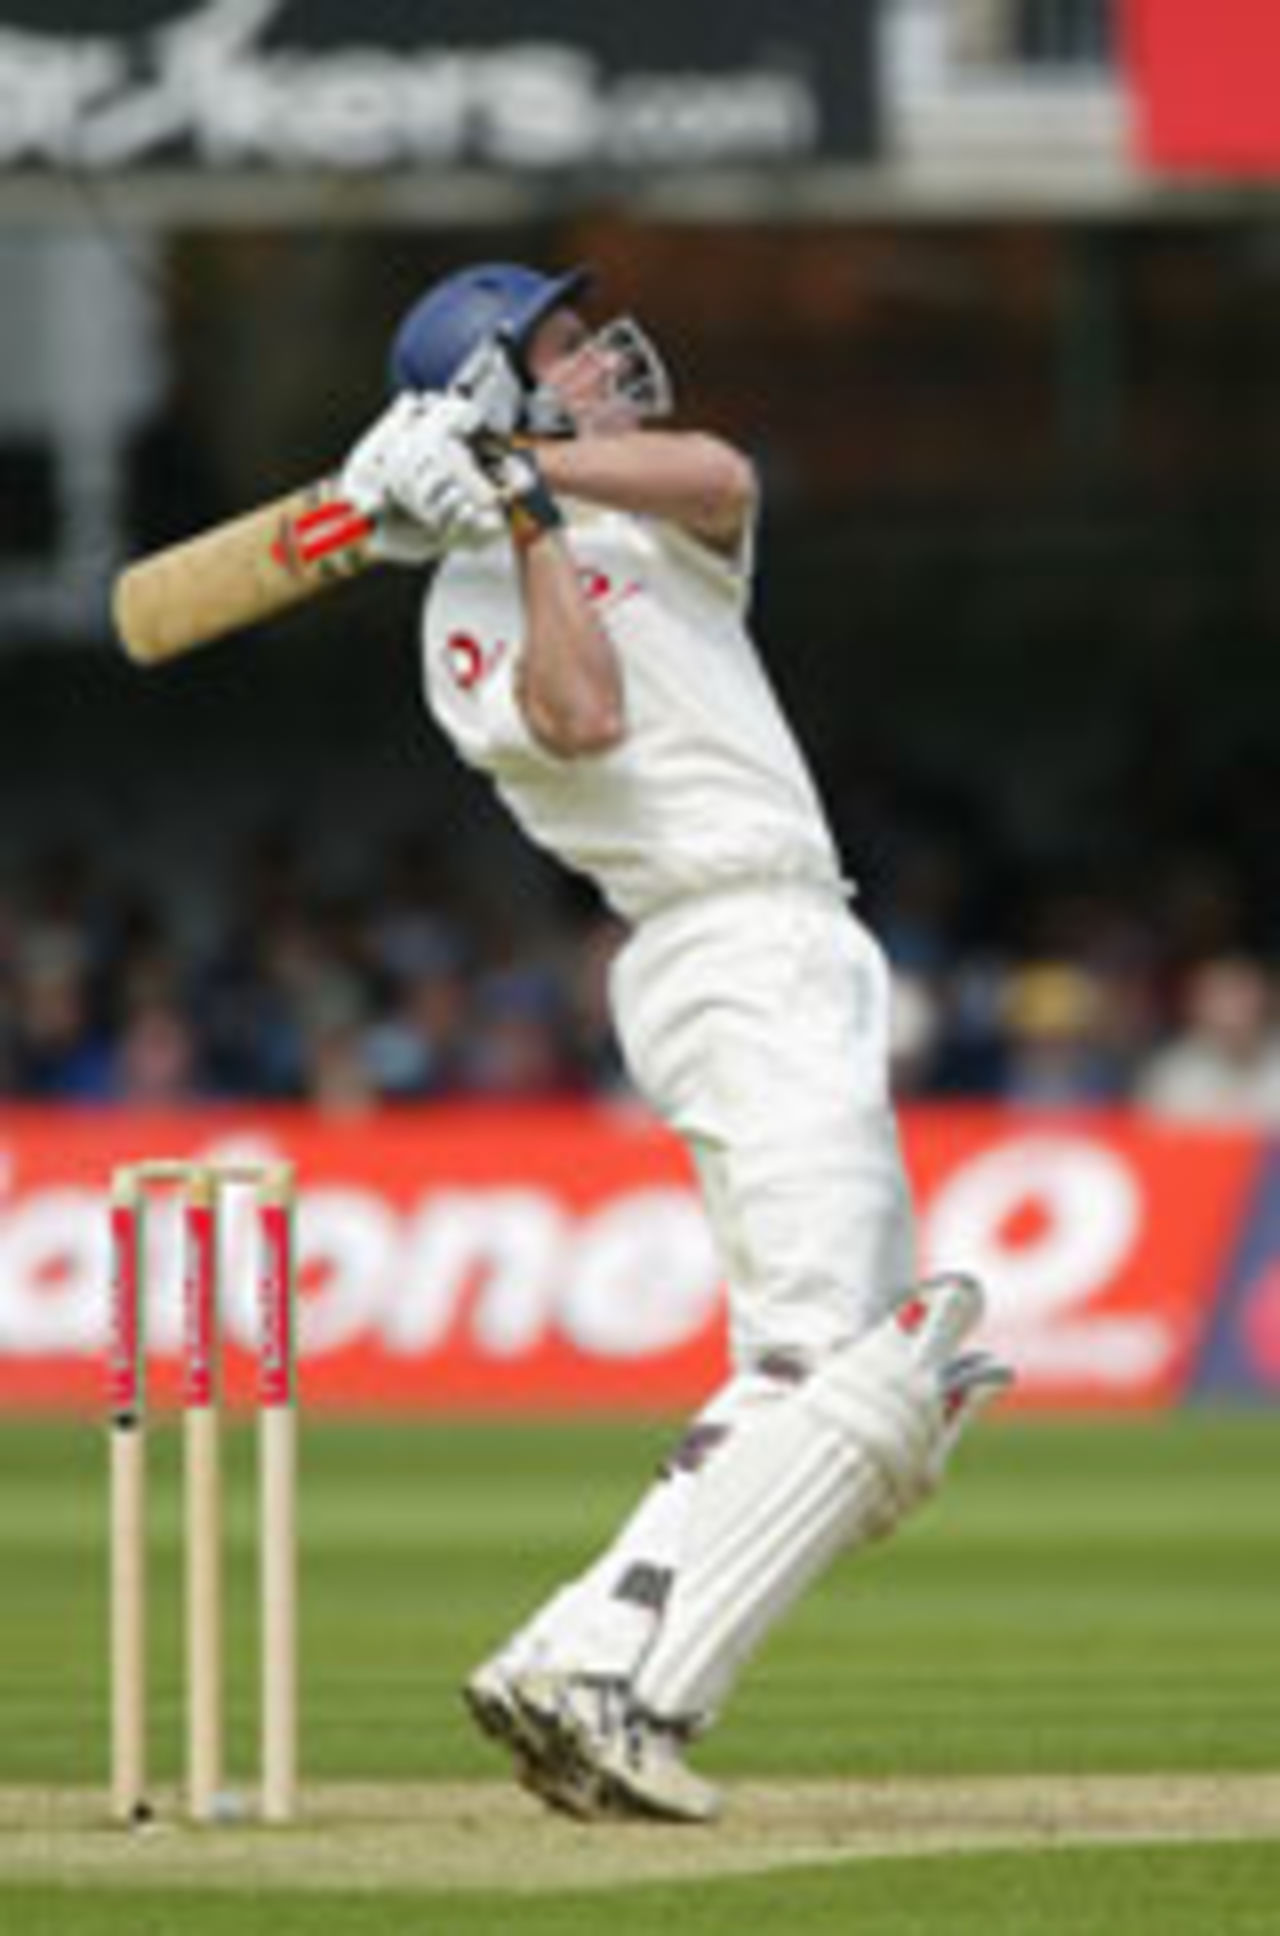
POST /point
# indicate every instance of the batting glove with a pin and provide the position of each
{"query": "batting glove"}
(415, 477)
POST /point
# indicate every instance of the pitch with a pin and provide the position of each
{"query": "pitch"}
(1049, 1706)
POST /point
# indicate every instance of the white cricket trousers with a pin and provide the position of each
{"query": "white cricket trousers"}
(755, 1021)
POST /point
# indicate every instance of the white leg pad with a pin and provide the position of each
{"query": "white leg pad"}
(838, 1464)
(602, 1623)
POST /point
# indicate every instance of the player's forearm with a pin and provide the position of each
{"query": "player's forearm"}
(686, 477)
(568, 680)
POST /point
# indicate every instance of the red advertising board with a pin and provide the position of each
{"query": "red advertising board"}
(481, 1257)
(1206, 84)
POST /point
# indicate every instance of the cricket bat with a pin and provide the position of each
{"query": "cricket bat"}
(240, 572)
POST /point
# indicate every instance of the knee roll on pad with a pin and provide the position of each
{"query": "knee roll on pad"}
(872, 1395)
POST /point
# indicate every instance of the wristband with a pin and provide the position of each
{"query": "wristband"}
(532, 513)
(526, 499)
(528, 503)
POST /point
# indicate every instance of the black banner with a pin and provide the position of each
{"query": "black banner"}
(381, 85)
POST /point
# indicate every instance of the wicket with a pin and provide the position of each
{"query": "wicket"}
(202, 1186)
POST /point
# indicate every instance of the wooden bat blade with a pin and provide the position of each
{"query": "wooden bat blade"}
(238, 573)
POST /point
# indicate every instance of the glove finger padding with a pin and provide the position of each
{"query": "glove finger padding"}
(414, 468)
(406, 429)
(399, 539)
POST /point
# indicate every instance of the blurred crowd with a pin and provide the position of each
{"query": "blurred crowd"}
(272, 987)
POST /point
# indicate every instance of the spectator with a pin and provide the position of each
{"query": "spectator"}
(336, 1073)
(266, 988)
(1224, 1064)
(520, 1046)
(420, 1047)
(58, 1053)
(1058, 1053)
(155, 1062)
(969, 1056)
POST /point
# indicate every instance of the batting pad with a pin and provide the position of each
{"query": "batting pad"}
(602, 1623)
(839, 1463)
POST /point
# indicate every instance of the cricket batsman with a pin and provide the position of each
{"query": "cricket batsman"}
(586, 647)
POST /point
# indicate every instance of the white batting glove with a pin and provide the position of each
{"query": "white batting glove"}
(414, 476)
(446, 498)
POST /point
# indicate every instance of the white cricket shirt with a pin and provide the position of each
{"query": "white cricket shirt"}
(706, 788)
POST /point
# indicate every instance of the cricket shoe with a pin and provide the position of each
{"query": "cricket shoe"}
(620, 1763)
(538, 1758)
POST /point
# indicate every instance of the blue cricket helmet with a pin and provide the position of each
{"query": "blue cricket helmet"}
(442, 329)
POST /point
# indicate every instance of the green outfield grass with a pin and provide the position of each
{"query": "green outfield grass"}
(1084, 1599)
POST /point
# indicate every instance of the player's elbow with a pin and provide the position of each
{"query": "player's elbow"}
(568, 680)
(596, 733)
(736, 482)
(727, 486)
(587, 725)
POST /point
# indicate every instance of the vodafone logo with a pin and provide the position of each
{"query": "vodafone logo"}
(1048, 1222)
(499, 1268)
(469, 660)
(578, 1245)
(603, 590)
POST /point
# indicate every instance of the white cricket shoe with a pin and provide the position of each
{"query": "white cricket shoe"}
(488, 1698)
(623, 1763)
(536, 1751)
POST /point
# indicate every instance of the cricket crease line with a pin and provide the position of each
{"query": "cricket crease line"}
(442, 1836)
